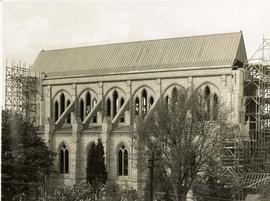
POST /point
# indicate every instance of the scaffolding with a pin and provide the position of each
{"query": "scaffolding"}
(21, 90)
(236, 157)
(257, 96)
(247, 157)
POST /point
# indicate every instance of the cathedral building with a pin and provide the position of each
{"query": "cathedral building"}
(97, 91)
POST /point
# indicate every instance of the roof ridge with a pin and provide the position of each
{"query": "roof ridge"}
(140, 41)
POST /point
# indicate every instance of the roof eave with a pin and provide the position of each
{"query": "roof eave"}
(62, 76)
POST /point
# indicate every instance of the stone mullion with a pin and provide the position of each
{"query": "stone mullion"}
(84, 106)
(118, 104)
(59, 107)
(112, 108)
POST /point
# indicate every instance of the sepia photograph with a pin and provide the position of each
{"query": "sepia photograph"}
(135, 100)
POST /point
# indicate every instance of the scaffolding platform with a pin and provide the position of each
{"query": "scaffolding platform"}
(21, 90)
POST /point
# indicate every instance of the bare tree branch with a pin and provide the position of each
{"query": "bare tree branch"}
(185, 134)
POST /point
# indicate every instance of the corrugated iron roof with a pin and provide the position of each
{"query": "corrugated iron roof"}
(165, 54)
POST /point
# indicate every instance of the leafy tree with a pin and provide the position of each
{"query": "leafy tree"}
(79, 192)
(96, 173)
(127, 192)
(116, 192)
(214, 184)
(91, 164)
(25, 157)
(113, 191)
(160, 182)
(85, 192)
(184, 135)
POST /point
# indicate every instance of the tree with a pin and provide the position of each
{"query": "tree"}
(215, 183)
(116, 192)
(113, 191)
(184, 134)
(25, 157)
(160, 182)
(85, 192)
(264, 193)
(96, 173)
(78, 192)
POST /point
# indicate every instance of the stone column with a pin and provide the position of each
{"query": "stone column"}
(49, 125)
(190, 83)
(77, 126)
(158, 88)
(101, 113)
(238, 95)
(105, 137)
(106, 127)
(128, 96)
(49, 121)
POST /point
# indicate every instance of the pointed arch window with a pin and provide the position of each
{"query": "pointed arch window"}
(207, 102)
(123, 116)
(123, 161)
(82, 109)
(64, 160)
(137, 106)
(174, 97)
(115, 103)
(88, 103)
(151, 101)
(62, 103)
(95, 115)
(167, 101)
(68, 116)
(144, 102)
(108, 107)
(56, 109)
(215, 107)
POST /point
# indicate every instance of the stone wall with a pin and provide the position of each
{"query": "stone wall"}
(225, 82)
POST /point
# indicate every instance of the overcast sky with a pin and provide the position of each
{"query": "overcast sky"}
(30, 26)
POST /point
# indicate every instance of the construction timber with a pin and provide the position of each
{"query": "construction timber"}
(257, 102)
(21, 90)
(247, 157)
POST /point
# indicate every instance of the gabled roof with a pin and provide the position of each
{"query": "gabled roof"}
(163, 54)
